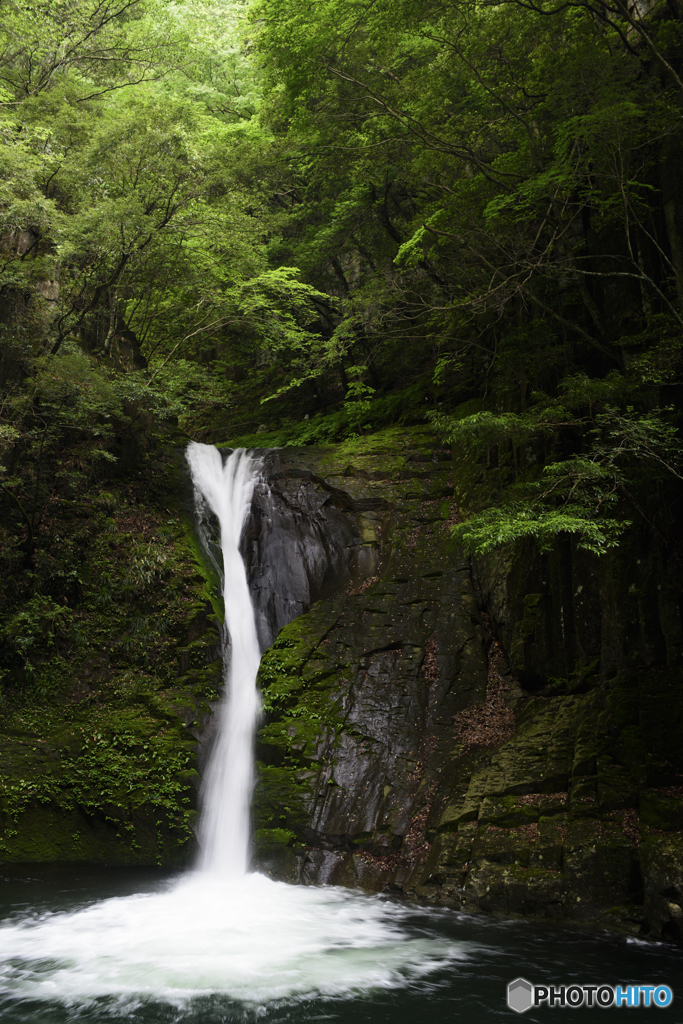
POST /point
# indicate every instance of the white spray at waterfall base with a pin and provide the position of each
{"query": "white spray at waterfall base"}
(221, 930)
(255, 942)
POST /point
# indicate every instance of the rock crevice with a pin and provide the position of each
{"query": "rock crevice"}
(406, 747)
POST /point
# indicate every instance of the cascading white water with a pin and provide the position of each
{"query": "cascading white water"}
(220, 932)
(224, 826)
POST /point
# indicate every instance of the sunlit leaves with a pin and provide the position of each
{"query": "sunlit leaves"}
(513, 522)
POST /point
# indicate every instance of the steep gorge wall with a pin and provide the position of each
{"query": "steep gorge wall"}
(489, 737)
(500, 737)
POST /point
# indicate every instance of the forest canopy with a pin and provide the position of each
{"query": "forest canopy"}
(290, 223)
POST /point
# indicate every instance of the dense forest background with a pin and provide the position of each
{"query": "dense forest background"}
(277, 222)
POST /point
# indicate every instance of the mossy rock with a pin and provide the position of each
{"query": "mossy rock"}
(99, 762)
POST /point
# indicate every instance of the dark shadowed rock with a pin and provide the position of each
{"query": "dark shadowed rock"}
(399, 752)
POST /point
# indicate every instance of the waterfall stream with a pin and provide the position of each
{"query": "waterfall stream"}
(224, 826)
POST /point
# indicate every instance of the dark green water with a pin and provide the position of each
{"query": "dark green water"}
(57, 948)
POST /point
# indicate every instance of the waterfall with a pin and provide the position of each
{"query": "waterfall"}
(219, 936)
(224, 825)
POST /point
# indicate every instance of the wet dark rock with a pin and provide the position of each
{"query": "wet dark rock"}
(302, 542)
(415, 739)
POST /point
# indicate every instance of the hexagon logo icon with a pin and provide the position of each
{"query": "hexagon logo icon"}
(520, 995)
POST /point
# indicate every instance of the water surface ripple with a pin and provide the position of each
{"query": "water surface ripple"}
(199, 950)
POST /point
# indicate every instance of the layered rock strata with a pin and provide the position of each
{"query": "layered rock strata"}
(401, 752)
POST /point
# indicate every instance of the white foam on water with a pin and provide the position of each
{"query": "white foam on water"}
(253, 940)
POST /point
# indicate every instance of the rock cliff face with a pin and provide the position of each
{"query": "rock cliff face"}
(503, 737)
(361, 690)
(427, 732)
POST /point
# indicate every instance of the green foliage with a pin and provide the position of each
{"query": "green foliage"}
(336, 212)
(514, 521)
(124, 768)
(480, 430)
(36, 624)
(478, 189)
(331, 218)
(110, 774)
(577, 495)
(267, 840)
(91, 692)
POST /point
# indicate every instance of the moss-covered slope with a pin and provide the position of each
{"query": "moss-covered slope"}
(106, 681)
